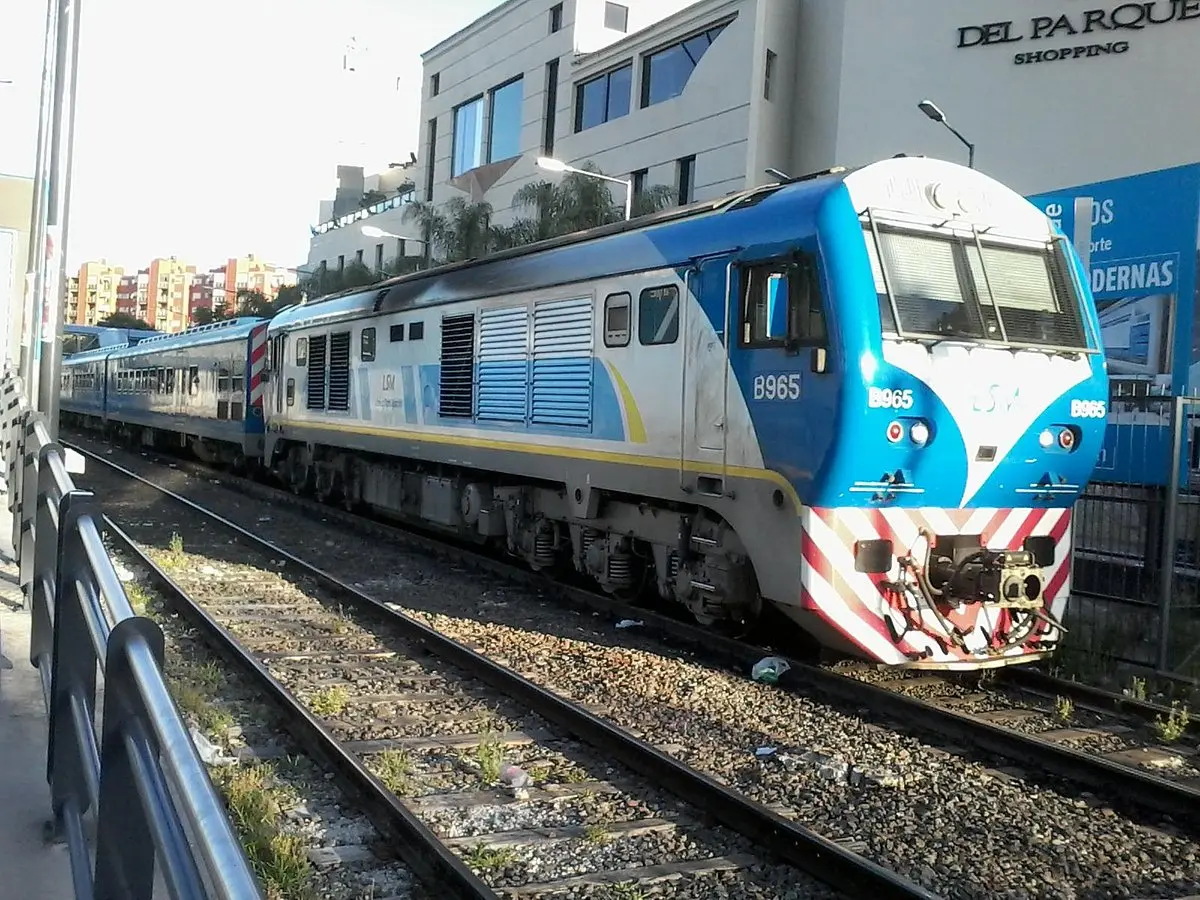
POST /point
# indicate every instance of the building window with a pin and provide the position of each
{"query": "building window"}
(504, 120)
(687, 179)
(341, 263)
(556, 18)
(603, 98)
(358, 256)
(379, 257)
(638, 180)
(468, 137)
(665, 73)
(769, 74)
(435, 84)
(616, 17)
(658, 315)
(430, 157)
(550, 119)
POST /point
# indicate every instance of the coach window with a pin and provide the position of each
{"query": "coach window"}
(193, 385)
(396, 333)
(658, 315)
(302, 352)
(367, 345)
(781, 306)
(223, 381)
(291, 391)
(416, 331)
(616, 320)
(171, 381)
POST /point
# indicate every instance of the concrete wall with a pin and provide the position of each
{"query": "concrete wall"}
(16, 209)
(1038, 126)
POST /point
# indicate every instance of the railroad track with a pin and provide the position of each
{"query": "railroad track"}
(912, 798)
(1119, 744)
(425, 730)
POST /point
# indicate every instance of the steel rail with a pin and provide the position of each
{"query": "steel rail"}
(429, 858)
(1089, 695)
(819, 856)
(1129, 786)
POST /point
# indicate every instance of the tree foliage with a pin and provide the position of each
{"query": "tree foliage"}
(460, 230)
(124, 320)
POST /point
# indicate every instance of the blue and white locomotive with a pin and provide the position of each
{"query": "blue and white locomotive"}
(869, 398)
(201, 389)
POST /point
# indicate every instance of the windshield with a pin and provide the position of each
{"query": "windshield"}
(949, 286)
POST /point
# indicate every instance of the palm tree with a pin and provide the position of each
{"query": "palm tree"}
(577, 202)
(459, 229)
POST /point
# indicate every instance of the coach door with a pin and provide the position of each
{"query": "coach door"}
(705, 376)
(279, 361)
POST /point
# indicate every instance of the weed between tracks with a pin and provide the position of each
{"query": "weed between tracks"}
(254, 796)
(329, 701)
(1175, 725)
(394, 769)
(487, 859)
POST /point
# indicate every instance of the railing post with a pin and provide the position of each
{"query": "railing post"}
(73, 669)
(1170, 526)
(124, 843)
(27, 504)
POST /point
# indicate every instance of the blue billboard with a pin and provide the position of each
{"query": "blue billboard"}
(1144, 235)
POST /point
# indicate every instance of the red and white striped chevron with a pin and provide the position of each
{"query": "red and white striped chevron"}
(855, 603)
(258, 358)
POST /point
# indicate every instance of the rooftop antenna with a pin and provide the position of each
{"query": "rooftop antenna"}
(775, 173)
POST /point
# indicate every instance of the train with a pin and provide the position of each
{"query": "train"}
(201, 390)
(867, 398)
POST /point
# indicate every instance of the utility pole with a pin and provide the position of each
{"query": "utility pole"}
(26, 320)
(58, 195)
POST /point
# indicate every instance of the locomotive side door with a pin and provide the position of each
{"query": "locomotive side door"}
(706, 323)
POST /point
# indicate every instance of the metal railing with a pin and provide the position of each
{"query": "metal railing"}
(1135, 583)
(132, 772)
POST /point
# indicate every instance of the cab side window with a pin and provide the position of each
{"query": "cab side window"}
(781, 306)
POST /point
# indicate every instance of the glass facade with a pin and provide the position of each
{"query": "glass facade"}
(665, 73)
(468, 137)
(504, 121)
(604, 98)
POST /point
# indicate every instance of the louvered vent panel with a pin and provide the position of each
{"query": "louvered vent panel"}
(562, 363)
(339, 370)
(457, 388)
(503, 365)
(316, 372)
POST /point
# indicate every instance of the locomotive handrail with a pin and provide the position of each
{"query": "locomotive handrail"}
(142, 780)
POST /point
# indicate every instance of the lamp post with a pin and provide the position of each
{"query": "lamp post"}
(935, 114)
(554, 165)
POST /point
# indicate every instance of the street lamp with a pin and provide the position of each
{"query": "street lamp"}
(555, 165)
(374, 231)
(935, 114)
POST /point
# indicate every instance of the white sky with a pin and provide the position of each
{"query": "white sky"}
(209, 130)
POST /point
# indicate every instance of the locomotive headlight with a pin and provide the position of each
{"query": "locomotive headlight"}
(895, 431)
(919, 433)
(1046, 439)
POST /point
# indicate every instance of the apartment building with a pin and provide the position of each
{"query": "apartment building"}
(93, 295)
(707, 96)
(168, 283)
